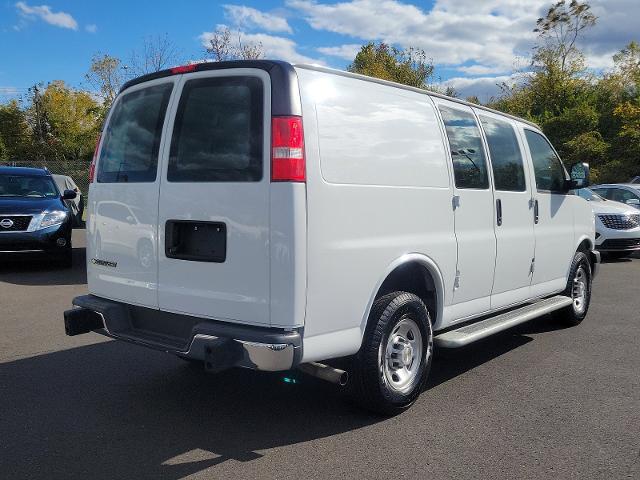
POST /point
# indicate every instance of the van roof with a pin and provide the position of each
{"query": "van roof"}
(365, 78)
(289, 102)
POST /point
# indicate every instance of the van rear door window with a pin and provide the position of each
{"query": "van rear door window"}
(132, 139)
(218, 132)
(467, 153)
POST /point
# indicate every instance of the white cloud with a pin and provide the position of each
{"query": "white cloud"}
(347, 52)
(479, 69)
(274, 47)
(91, 28)
(44, 13)
(482, 87)
(8, 91)
(248, 17)
(489, 34)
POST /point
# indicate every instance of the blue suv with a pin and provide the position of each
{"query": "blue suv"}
(34, 216)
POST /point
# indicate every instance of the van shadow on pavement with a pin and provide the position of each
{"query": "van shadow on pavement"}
(113, 410)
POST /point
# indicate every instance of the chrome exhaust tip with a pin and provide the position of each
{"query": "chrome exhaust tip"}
(325, 372)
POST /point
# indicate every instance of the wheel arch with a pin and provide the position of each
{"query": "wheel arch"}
(585, 245)
(415, 273)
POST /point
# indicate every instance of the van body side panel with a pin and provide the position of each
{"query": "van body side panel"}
(377, 182)
(288, 247)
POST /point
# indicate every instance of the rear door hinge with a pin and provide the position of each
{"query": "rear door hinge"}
(455, 201)
(456, 281)
(533, 266)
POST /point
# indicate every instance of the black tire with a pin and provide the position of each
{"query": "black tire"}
(368, 385)
(66, 258)
(576, 312)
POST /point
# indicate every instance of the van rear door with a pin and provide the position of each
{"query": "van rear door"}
(123, 200)
(214, 202)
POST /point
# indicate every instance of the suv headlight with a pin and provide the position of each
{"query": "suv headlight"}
(53, 218)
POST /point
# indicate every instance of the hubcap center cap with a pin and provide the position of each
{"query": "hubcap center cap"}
(407, 355)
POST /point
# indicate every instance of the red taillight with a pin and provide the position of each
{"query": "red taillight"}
(287, 150)
(184, 68)
(92, 168)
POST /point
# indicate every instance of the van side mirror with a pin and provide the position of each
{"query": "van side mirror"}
(579, 176)
(634, 202)
(69, 195)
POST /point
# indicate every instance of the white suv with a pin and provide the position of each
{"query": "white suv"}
(300, 214)
(617, 225)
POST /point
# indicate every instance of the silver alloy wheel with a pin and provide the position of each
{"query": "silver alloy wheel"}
(400, 359)
(580, 290)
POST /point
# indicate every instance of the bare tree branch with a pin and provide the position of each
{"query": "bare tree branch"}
(221, 48)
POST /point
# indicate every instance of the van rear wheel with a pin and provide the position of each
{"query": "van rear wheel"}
(391, 368)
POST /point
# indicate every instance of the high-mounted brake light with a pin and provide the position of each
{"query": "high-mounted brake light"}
(92, 168)
(287, 150)
(184, 68)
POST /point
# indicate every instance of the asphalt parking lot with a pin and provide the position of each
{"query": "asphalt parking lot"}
(539, 401)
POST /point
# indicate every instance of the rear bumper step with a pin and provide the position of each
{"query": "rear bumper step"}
(482, 329)
(220, 345)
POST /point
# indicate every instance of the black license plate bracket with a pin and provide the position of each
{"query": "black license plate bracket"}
(196, 241)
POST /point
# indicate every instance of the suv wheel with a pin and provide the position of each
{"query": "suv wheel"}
(391, 368)
(65, 258)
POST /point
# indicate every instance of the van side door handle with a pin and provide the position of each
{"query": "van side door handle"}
(499, 211)
(536, 216)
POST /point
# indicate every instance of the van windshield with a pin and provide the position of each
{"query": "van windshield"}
(35, 186)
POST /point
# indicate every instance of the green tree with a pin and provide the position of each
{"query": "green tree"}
(15, 131)
(73, 121)
(409, 66)
(4, 153)
(627, 67)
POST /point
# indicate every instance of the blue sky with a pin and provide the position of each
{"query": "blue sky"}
(474, 43)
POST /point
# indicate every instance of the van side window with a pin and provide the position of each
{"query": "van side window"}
(132, 139)
(506, 157)
(467, 154)
(548, 169)
(218, 132)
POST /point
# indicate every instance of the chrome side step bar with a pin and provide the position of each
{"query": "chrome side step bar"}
(482, 329)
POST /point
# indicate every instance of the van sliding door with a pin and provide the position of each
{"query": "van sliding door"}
(473, 204)
(515, 247)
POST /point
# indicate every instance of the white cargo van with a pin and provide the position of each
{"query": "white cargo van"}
(262, 215)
